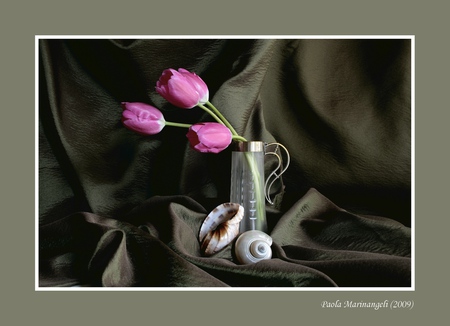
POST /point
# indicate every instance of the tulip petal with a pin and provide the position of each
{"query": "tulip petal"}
(181, 94)
(209, 137)
(199, 85)
(142, 118)
(215, 137)
(182, 88)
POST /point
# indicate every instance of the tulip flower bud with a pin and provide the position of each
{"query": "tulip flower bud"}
(142, 118)
(182, 88)
(209, 137)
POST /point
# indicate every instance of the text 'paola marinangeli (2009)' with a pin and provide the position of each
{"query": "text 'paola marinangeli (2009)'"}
(376, 305)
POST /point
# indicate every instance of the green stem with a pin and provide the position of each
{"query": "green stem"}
(238, 138)
(225, 121)
(213, 115)
(258, 183)
(176, 124)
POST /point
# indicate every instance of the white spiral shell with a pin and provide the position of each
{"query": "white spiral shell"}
(220, 227)
(253, 246)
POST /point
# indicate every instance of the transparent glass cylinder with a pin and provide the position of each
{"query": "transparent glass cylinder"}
(247, 184)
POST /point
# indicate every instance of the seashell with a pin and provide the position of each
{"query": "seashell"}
(220, 227)
(253, 246)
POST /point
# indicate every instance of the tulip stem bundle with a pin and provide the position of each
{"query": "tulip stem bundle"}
(217, 115)
(248, 156)
(185, 125)
(260, 205)
(221, 119)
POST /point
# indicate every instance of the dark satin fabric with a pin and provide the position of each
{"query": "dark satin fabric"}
(120, 209)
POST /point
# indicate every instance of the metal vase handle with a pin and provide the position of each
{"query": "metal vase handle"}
(279, 169)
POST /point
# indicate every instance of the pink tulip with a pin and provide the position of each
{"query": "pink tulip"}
(142, 118)
(209, 137)
(182, 88)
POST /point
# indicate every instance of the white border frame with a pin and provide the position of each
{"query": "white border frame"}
(322, 289)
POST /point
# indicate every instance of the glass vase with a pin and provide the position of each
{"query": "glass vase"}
(247, 184)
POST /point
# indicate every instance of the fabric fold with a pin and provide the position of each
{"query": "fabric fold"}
(314, 246)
